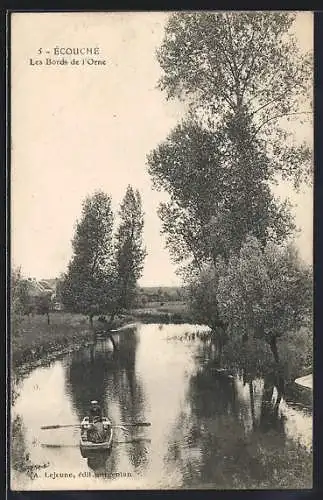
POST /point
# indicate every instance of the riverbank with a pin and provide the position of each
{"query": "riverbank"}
(255, 357)
(34, 342)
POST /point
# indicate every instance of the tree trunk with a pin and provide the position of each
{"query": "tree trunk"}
(280, 386)
(111, 320)
(92, 353)
(274, 348)
(222, 336)
(48, 319)
(252, 404)
(91, 319)
(113, 342)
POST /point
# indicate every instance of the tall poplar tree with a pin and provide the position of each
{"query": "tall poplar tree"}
(130, 250)
(88, 286)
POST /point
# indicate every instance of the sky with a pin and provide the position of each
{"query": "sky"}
(76, 129)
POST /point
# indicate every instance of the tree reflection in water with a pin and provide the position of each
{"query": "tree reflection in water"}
(131, 400)
(109, 376)
(235, 436)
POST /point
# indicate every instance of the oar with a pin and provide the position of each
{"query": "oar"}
(47, 427)
(137, 424)
(137, 440)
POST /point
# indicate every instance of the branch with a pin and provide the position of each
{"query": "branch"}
(228, 60)
(246, 79)
(225, 95)
(281, 116)
(189, 242)
(94, 262)
(267, 104)
(235, 72)
(253, 60)
(246, 57)
(268, 85)
(191, 248)
(233, 69)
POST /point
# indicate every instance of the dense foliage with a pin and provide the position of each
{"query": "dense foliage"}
(104, 269)
(265, 294)
(130, 251)
(244, 78)
(86, 285)
(242, 66)
(216, 196)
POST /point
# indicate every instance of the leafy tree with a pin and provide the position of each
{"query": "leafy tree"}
(19, 297)
(244, 78)
(130, 252)
(238, 67)
(59, 288)
(216, 199)
(202, 300)
(43, 305)
(89, 284)
(246, 75)
(264, 293)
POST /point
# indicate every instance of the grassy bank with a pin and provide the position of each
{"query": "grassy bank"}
(159, 312)
(32, 339)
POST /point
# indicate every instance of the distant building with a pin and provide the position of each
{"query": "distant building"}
(37, 289)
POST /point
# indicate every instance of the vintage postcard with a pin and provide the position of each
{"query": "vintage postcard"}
(161, 243)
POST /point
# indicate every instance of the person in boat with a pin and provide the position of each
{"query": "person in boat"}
(97, 432)
(95, 411)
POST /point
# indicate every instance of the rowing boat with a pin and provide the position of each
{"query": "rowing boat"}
(86, 445)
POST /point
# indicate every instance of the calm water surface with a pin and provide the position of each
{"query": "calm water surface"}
(199, 418)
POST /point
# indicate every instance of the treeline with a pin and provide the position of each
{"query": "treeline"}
(243, 77)
(148, 295)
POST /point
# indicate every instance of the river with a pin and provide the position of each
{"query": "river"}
(207, 430)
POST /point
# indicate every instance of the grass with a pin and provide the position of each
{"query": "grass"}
(171, 307)
(33, 338)
(163, 312)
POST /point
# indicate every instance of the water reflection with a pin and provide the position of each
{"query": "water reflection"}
(208, 430)
(233, 426)
(110, 377)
